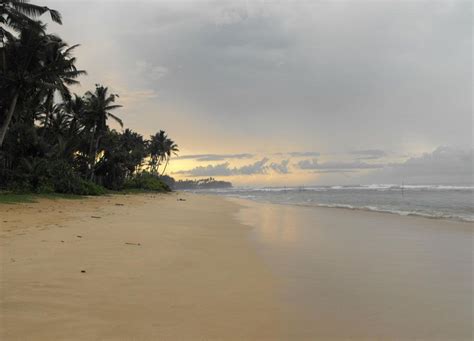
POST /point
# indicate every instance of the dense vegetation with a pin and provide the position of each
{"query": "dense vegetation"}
(52, 140)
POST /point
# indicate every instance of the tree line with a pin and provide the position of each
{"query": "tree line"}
(52, 140)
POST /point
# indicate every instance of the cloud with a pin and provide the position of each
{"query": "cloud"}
(300, 154)
(214, 157)
(224, 169)
(313, 164)
(281, 168)
(209, 170)
(396, 75)
(369, 154)
(443, 165)
(255, 168)
(150, 71)
(331, 171)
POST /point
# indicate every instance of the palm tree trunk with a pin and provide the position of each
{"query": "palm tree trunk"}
(157, 169)
(8, 118)
(94, 156)
(4, 59)
(49, 106)
(166, 165)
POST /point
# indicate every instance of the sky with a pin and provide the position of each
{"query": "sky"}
(275, 93)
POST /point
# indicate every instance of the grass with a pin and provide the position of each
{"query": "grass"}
(17, 198)
(14, 198)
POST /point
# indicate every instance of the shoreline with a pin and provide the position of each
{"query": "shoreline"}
(347, 274)
(208, 267)
(336, 207)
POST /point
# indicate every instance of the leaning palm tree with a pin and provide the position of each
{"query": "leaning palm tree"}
(32, 69)
(171, 148)
(99, 104)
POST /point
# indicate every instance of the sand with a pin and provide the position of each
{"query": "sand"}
(350, 274)
(154, 268)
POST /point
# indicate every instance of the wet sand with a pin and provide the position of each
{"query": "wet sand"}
(346, 274)
(210, 268)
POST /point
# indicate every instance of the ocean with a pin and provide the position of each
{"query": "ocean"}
(431, 201)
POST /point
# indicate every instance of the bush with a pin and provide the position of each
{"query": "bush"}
(86, 187)
(65, 180)
(147, 182)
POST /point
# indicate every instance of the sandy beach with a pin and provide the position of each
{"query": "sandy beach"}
(193, 276)
(147, 267)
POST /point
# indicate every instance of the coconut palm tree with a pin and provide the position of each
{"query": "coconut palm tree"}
(36, 62)
(60, 54)
(99, 104)
(17, 15)
(171, 148)
(156, 150)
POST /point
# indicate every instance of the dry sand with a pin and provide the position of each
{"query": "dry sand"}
(155, 268)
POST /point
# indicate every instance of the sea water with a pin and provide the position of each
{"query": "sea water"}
(431, 201)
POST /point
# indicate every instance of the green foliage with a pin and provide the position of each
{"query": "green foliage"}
(65, 180)
(147, 182)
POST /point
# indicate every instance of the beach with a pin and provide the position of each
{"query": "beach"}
(183, 266)
(193, 276)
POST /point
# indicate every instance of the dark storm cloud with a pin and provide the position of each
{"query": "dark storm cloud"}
(214, 157)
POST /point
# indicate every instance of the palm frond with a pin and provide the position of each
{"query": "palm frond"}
(118, 120)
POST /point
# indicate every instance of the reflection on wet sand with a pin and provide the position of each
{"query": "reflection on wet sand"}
(346, 274)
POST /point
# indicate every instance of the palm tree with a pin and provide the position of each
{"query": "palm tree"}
(19, 14)
(60, 54)
(171, 148)
(156, 150)
(134, 146)
(99, 105)
(36, 62)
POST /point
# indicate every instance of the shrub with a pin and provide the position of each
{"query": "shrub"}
(65, 180)
(147, 182)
